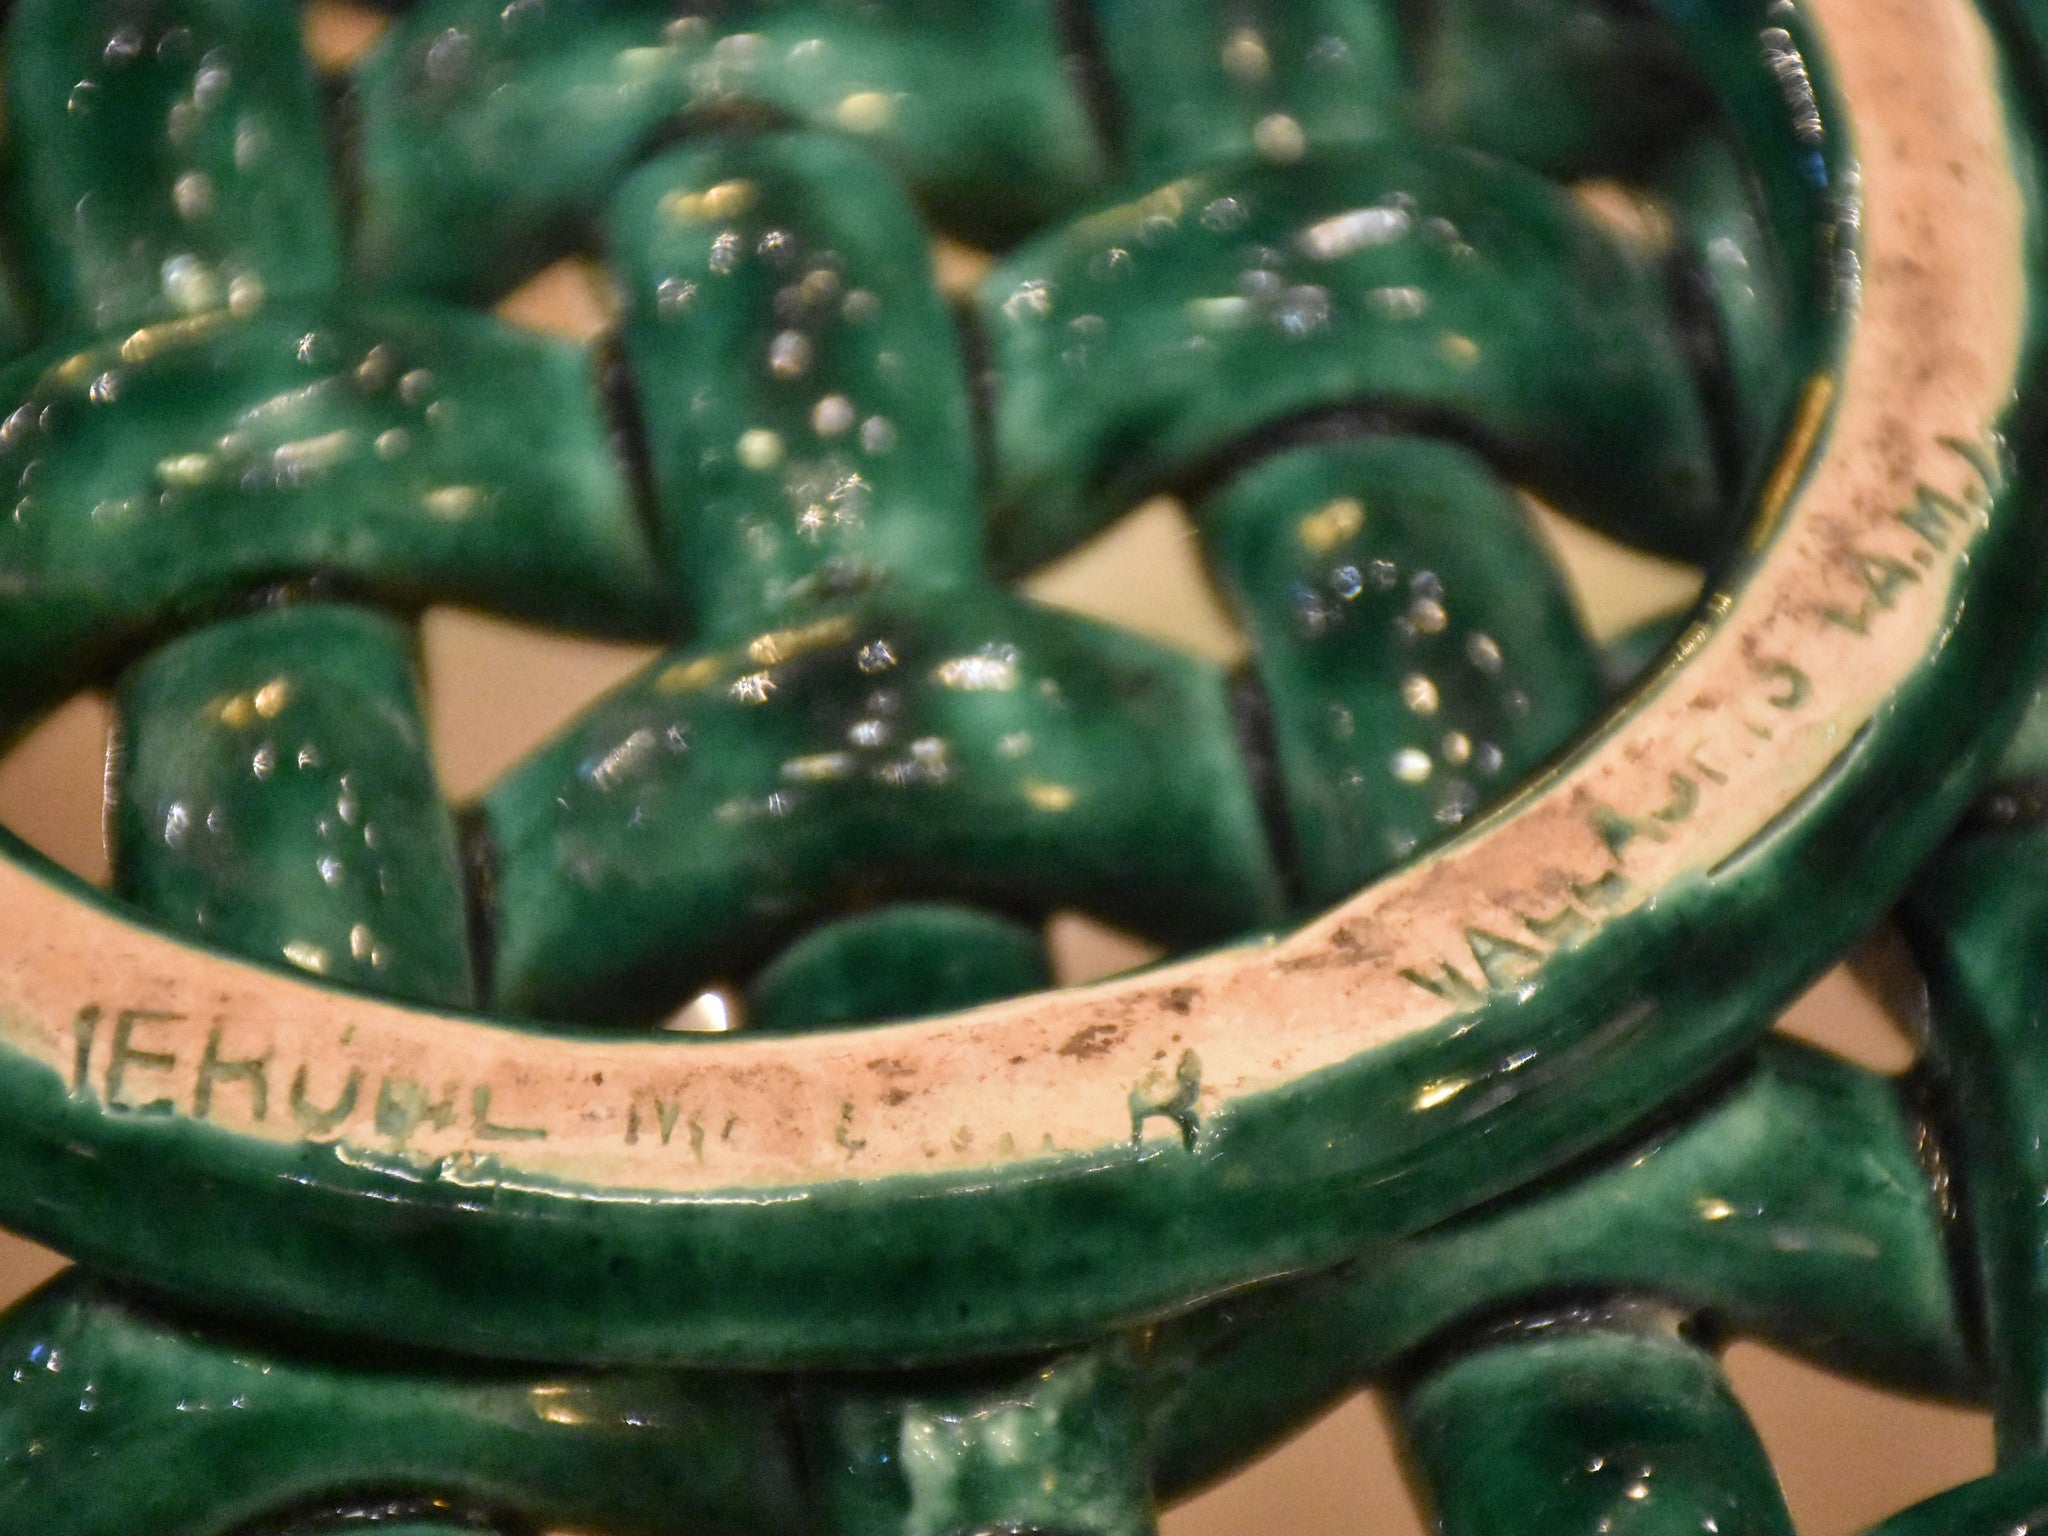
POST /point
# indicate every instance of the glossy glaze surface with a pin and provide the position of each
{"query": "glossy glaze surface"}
(897, 963)
(1794, 1205)
(1569, 87)
(756, 783)
(1198, 83)
(805, 407)
(1402, 282)
(1981, 926)
(492, 137)
(2012, 1502)
(1072, 1443)
(1732, 272)
(1624, 659)
(965, 746)
(161, 476)
(212, 114)
(197, 1432)
(1417, 647)
(274, 795)
(1607, 1423)
(1312, 1131)
(1332, 1137)
(1059, 1448)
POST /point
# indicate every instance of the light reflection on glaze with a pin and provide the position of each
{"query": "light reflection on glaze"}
(167, 471)
(491, 128)
(1449, 288)
(1590, 1421)
(223, 198)
(274, 794)
(1364, 573)
(897, 962)
(963, 744)
(94, 1381)
(1794, 1208)
(811, 308)
(1804, 1144)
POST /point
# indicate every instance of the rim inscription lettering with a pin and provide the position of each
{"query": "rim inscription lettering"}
(1941, 522)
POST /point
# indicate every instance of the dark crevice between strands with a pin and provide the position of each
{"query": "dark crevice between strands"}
(342, 109)
(626, 431)
(1258, 746)
(1928, 1105)
(977, 366)
(1704, 343)
(1080, 41)
(478, 851)
(1347, 421)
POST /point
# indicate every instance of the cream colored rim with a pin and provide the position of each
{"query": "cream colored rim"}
(1846, 600)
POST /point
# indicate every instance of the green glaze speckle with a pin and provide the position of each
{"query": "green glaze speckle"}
(801, 384)
(211, 114)
(276, 797)
(1606, 1424)
(1417, 647)
(1793, 1206)
(492, 136)
(429, 455)
(966, 746)
(1060, 1246)
(1401, 282)
(1736, 270)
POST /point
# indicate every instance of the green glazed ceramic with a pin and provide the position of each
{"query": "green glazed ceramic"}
(1791, 1204)
(1418, 648)
(896, 963)
(969, 746)
(161, 477)
(210, 110)
(1143, 346)
(491, 136)
(203, 1431)
(1196, 83)
(276, 797)
(1601, 1420)
(801, 383)
(683, 1135)
(1052, 1165)
(1977, 917)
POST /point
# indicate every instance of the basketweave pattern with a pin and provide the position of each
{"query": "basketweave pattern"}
(258, 420)
(860, 715)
